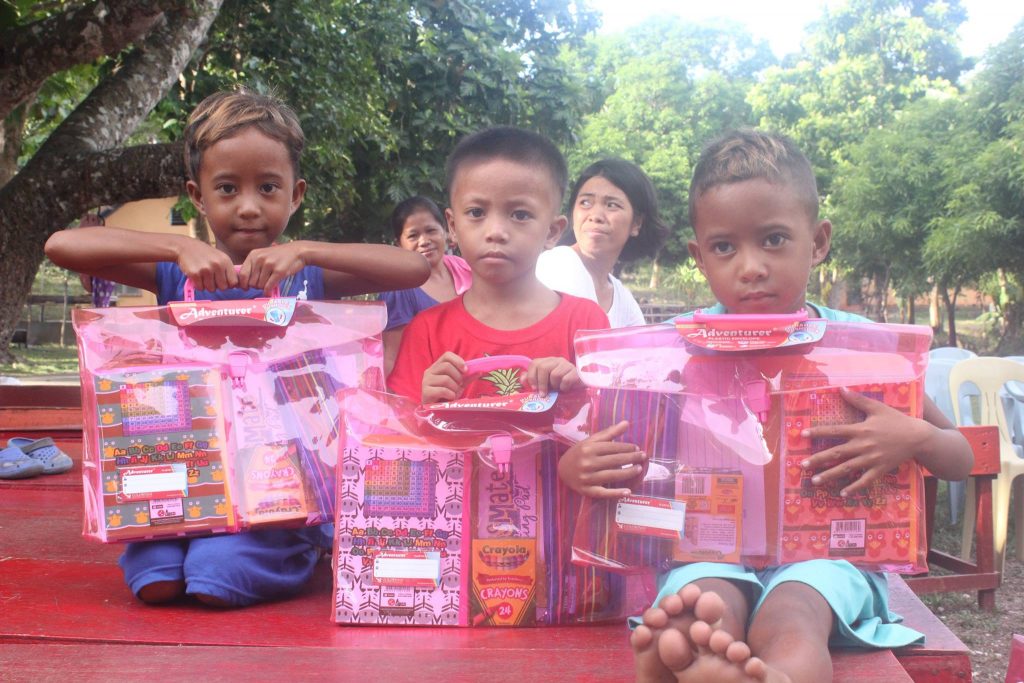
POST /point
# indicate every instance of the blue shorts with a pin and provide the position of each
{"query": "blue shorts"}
(240, 569)
(859, 599)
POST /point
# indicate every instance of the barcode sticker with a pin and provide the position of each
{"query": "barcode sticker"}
(651, 516)
(847, 537)
(692, 484)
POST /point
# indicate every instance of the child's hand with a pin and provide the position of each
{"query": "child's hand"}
(209, 269)
(443, 380)
(597, 461)
(877, 445)
(551, 374)
(265, 268)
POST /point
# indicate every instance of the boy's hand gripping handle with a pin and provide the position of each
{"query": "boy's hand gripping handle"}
(188, 290)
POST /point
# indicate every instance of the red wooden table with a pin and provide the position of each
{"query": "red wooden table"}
(65, 613)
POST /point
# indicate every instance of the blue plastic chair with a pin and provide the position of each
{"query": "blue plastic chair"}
(950, 353)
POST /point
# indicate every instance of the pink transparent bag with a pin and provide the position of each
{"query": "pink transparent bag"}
(452, 514)
(719, 404)
(217, 416)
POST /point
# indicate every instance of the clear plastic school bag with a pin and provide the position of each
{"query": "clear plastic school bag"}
(719, 403)
(203, 417)
(452, 514)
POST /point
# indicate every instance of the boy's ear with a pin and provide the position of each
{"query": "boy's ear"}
(822, 241)
(555, 231)
(449, 218)
(698, 258)
(195, 195)
(298, 192)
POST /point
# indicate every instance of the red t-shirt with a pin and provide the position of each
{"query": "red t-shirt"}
(450, 327)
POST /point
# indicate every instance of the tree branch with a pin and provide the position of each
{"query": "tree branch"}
(31, 54)
(114, 109)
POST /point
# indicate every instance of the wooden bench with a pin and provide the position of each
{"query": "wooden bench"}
(65, 605)
(980, 575)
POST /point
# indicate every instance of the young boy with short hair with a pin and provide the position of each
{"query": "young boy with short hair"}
(754, 210)
(505, 193)
(242, 158)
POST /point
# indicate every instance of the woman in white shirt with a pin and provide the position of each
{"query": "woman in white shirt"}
(614, 214)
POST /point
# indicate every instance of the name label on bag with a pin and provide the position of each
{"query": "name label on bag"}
(154, 482)
(646, 516)
(416, 569)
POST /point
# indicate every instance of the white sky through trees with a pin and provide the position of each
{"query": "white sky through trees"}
(782, 23)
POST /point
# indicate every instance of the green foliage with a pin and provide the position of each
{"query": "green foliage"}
(865, 60)
(384, 89)
(657, 93)
(891, 193)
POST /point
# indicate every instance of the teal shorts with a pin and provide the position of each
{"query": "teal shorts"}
(859, 599)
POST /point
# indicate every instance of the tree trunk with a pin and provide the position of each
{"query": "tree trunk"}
(67, 175)
(951, 314)
(934, 312)
(1011, 343)
(31, 54)
(837, 290)
(655, 282)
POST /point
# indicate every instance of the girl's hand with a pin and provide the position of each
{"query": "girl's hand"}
(551, 374)
(209, 269)
(443, 380)
(265, 268)
(877, 445)
(596, 462)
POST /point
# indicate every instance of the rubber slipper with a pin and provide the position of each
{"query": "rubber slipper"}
(44, 451)
(14, 464)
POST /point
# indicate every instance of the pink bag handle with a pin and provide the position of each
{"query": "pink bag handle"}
(188, 290)
(751, 318)
(494, 362)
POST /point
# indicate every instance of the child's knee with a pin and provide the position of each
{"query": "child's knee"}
(793, 605)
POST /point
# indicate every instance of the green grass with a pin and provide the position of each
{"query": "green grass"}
(49, 359)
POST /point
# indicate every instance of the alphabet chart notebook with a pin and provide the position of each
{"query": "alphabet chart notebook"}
(161, 439)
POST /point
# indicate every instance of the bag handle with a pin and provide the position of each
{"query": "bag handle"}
(488, 363)
(188, 290)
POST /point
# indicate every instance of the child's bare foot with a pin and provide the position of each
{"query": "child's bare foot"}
(673, 616)
(718, 657)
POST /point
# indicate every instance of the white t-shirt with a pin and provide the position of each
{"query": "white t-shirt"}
(562, 270)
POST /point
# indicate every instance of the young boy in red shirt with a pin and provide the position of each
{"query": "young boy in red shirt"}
(505, 190)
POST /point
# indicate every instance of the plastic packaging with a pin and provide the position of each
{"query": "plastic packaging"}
(217, 416)
(719, 404)
(452, 514)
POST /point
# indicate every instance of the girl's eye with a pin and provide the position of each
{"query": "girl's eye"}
(226, 188)
(776, 239)
(584, 203)
(475, 212)
(721, 248)
(268, 188)
(614, 205)
(521, 215)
